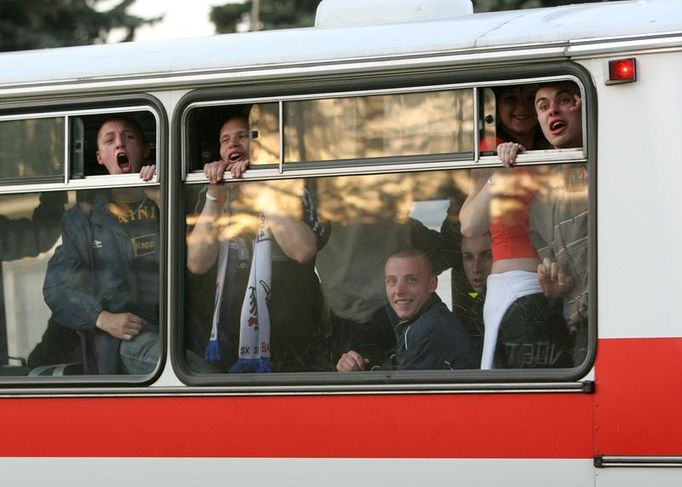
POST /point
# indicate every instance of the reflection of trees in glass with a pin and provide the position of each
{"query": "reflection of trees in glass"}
(341, 199)
(31, 147)
(380, 197)
(264, 119)
(248, 199)
(378, 126)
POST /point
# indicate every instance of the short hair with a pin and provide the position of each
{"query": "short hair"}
(571, 86)
(239, 111)
(411, 252)
(131, 122)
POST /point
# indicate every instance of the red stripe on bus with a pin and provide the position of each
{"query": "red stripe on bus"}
(387, 426)
(636, 411)
(638, 407)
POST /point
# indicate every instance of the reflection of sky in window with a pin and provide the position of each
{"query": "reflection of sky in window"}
(432, 213)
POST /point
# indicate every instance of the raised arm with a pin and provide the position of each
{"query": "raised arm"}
(202, 242)
(295, 237)
(475, 213)
(302, 235)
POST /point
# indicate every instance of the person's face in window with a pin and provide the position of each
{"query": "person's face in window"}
(409, 283)
(120, 147)
(559, 113)
(477, 259)
(234, 140)
(516, 112)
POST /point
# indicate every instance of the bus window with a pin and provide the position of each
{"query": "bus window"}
(92, 256)
(360, 221)
(438, 122)
(98, 303)
(326, 243)
(204, 129)
(84, 130)
(32, 148)
(510, 115)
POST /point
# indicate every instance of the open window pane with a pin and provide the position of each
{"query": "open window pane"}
(206, 124)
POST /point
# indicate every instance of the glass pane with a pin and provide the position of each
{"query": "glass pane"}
(437, 122)
(29, 236)
(337, 295)
(536, 316)
(99, 279)
(251, 249)
(30, 148)
(264, 122)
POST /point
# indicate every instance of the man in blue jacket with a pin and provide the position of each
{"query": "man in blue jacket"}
(428, 336)
(103, 281)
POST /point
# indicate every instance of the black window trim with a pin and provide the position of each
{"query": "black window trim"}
(403, 380)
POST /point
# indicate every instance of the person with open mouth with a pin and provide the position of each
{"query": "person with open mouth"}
(499, 203)
(103, 280)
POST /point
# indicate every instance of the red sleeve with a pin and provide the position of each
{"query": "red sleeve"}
(490, 143)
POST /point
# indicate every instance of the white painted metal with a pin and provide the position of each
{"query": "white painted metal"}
(257, 472)
(523, 34)
(344, 13)
(640, 199)
(637, 477)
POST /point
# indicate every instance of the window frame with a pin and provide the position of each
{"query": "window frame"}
(100, 106)
(378, 84)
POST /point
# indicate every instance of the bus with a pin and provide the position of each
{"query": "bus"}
(364, 133)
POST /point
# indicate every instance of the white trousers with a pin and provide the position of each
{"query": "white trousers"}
(501, 291)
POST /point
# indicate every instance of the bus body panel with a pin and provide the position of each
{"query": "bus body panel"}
(475, 426)
(639, 169)
(491, 35)
(637, 404)
(175, 434)
(293, 472)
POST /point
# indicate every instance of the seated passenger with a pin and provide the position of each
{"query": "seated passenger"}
(104, 278)
(499, 203)
(369, 220)
(427, 335)
(476, 261)
(260, 239)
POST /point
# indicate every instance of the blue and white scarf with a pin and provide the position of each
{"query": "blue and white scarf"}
(254, 323)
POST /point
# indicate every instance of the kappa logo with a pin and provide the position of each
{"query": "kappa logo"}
(96, 244)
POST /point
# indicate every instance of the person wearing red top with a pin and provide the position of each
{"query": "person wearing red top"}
(499, 203)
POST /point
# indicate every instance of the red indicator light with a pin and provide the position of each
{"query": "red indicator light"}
(622, 71)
